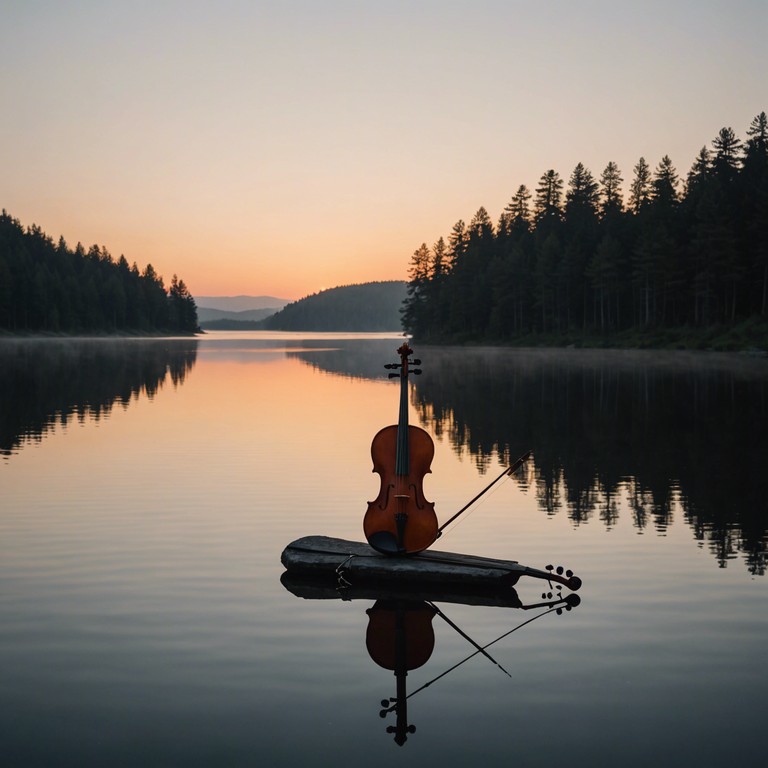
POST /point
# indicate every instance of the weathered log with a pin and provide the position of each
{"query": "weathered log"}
(357, 562)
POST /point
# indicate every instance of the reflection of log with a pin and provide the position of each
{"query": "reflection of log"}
(326, 587)
(357, 562)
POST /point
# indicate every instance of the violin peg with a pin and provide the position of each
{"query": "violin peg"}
(383, 713)
(569, 573)
(559, 611)
(543, 595)
(559, 570)
(384, 703)
(416, 371)
(550, 567)
(416, 362)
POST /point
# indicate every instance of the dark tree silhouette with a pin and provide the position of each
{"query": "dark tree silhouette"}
(576, 262)
(47, 287)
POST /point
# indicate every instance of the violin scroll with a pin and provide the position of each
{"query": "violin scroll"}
(569, 580)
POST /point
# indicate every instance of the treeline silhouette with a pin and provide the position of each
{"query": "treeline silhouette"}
(578, 259)
(46, 286)
(44, 383)
(362, 307)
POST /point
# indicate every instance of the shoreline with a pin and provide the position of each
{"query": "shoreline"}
(749, 337)
(54, 335)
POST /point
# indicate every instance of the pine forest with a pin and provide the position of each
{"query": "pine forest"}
(581, 261)
(48, 287)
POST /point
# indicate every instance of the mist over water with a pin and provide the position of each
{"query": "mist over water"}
(148, 488)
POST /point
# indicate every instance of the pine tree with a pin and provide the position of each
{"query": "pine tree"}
(754, 201)
(699, 173)
(640, 188)
(582, 196)
(519, 209)
(730, 261)
(664, 184)
(580, 237)
(548, 202)
(611, 200)
(726, 160)
(415, 310)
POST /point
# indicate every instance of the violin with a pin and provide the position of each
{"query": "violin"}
(400, 520)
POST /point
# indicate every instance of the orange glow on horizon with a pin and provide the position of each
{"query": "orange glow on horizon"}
(269, 151)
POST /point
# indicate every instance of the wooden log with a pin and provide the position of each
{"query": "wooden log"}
(353, 560)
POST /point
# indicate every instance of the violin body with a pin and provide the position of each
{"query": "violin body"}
(400, 636)
(401, 497)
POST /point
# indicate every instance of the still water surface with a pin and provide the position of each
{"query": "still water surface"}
(147, 489)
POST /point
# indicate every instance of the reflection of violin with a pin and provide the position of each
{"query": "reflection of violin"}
(400, 520)
(400, 637)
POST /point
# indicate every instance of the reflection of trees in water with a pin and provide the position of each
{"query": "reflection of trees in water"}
(43, 383)
(657, 431)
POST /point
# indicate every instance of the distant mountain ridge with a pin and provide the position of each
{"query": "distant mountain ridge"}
(207, 315)
(360, 307)
(240, 303)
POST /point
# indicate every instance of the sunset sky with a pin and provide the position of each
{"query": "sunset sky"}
(280, 148)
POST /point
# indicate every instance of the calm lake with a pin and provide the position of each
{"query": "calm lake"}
(148, 487)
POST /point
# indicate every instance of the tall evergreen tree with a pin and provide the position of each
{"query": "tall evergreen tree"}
(611, 199)
(754, 200)
(581, 197)
(664, 184)
(548, 201)
(580, 235)
(415, 309)
(699, 173)
(727, 149)
(724, 227)
(519, 209)
(640, 188)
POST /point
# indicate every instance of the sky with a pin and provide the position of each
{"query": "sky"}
(280, 148)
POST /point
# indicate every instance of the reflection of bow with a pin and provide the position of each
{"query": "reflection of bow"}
(554, 606)
(469, 639)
